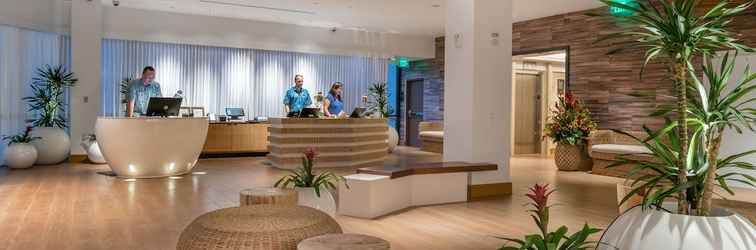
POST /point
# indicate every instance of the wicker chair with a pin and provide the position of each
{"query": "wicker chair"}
(606, 145)
(432, 136)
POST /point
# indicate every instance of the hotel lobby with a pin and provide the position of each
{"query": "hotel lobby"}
(343, 124)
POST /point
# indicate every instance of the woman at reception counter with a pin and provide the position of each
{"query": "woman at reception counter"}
(333, 106)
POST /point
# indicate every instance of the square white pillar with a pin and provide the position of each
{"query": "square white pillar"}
(86, 60)
(478, 85)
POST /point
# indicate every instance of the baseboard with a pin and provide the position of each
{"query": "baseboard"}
(77, 158)
(488, 190)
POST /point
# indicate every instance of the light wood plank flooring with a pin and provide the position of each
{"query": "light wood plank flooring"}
(70, 206)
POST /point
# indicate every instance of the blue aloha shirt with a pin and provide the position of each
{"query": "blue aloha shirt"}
(297, 101)
(140, 94)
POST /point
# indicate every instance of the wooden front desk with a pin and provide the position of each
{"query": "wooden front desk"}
(236, 137)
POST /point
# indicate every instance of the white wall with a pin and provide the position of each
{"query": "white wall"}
(41, 15)
(133, 24)
(732, 142)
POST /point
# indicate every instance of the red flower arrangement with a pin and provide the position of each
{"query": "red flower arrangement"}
(570, 122)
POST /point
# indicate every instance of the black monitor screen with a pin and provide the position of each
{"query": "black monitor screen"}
(163, 106)
(234, 112)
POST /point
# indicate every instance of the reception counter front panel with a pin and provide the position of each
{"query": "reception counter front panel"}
(236, 137)
(339, 142)
(151, 147)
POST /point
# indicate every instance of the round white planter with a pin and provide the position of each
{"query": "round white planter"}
(325, 202)
(53, 147)
(393, 139)
(93, 152)
(653, 229)
(20, 155)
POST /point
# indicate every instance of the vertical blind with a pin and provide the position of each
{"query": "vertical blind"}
(216, 78)
(22, 52)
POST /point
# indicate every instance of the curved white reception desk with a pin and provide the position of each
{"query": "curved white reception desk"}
(150, 147)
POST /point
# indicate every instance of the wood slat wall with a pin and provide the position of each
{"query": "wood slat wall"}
(604, 82)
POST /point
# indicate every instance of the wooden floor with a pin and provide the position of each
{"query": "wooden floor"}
(72, 207)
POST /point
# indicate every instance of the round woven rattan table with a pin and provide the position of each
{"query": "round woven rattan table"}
(268, 195)
(259, 227)
(344, 242)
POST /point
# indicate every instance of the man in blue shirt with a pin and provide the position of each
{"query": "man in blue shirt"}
(140, 91)
(296, 97)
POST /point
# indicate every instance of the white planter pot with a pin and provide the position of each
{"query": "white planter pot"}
(53, 147)
(325, 202)
(393, 139)
(653, 229)
(20, 155)
(93, 152)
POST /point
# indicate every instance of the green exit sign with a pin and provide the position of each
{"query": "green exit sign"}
(403, 62)
(622, 12)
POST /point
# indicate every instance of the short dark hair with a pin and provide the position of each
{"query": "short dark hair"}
(148, 68)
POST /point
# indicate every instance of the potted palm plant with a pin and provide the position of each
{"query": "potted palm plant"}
(48, 104)
(570, 127)
(548, 240)
(675, 33)
(313, 190)
(20, 153)
(123, 88)
(380, 105)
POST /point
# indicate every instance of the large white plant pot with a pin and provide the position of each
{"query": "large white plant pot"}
(53, 147)
(393, 139)
(325, 202)
(653, 229)
(20, 155)
(93, 152)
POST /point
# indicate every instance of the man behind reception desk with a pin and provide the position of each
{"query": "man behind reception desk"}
(140, 91)
(296, 98)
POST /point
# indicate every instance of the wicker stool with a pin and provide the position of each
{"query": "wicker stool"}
(344, 242)
(268, 195)
(263, 227)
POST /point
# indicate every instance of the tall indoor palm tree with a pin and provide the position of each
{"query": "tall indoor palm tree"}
(673, 32)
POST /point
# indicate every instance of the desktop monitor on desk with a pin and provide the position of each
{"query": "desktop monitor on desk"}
(163, 106)
(234, 113)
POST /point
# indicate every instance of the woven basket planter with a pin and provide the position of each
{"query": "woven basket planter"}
(572, 157)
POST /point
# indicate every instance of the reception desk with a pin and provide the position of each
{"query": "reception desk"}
(236, 138)
(339, 142)
(149, 147)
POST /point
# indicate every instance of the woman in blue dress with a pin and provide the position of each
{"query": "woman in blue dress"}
(333, 105)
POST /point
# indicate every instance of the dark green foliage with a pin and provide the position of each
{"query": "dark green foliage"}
(48, 88)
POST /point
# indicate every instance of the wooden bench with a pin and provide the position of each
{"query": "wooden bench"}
(432, 137)
(377, 191)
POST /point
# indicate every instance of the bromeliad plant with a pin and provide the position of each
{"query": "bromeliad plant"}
(570, 122)
(305, 178)
(711, 111)
(674, 32)
(24, 137)
(48, 88)
(546, 240)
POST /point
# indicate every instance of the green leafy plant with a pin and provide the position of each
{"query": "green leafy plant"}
(570, 122)
(123, 87)
(24, 137)
(380, 99)
(48, 88)
(305, 178)
(546, 240)
(672, 31)
(712, 110)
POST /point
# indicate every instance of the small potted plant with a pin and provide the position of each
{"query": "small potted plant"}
(313, 190)
(20, 153)
(570, 127)
(89, 143)
(547, 240)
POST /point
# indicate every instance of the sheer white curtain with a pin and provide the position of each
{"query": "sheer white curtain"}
(216, 78)
(21, 53)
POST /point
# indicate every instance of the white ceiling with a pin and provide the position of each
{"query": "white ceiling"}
(416, 17)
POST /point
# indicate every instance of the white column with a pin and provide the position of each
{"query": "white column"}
(478, 85)
(86, 50)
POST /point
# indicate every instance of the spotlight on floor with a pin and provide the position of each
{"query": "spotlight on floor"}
(175, 177)
(199, 173)
(129, 180)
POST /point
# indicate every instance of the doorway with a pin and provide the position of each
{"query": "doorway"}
(538, 78)
(414, 111)
(527, 115)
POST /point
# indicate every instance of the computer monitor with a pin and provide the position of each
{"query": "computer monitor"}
(308, 113)
(358, 112)
(164, 106)
(234, 113)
